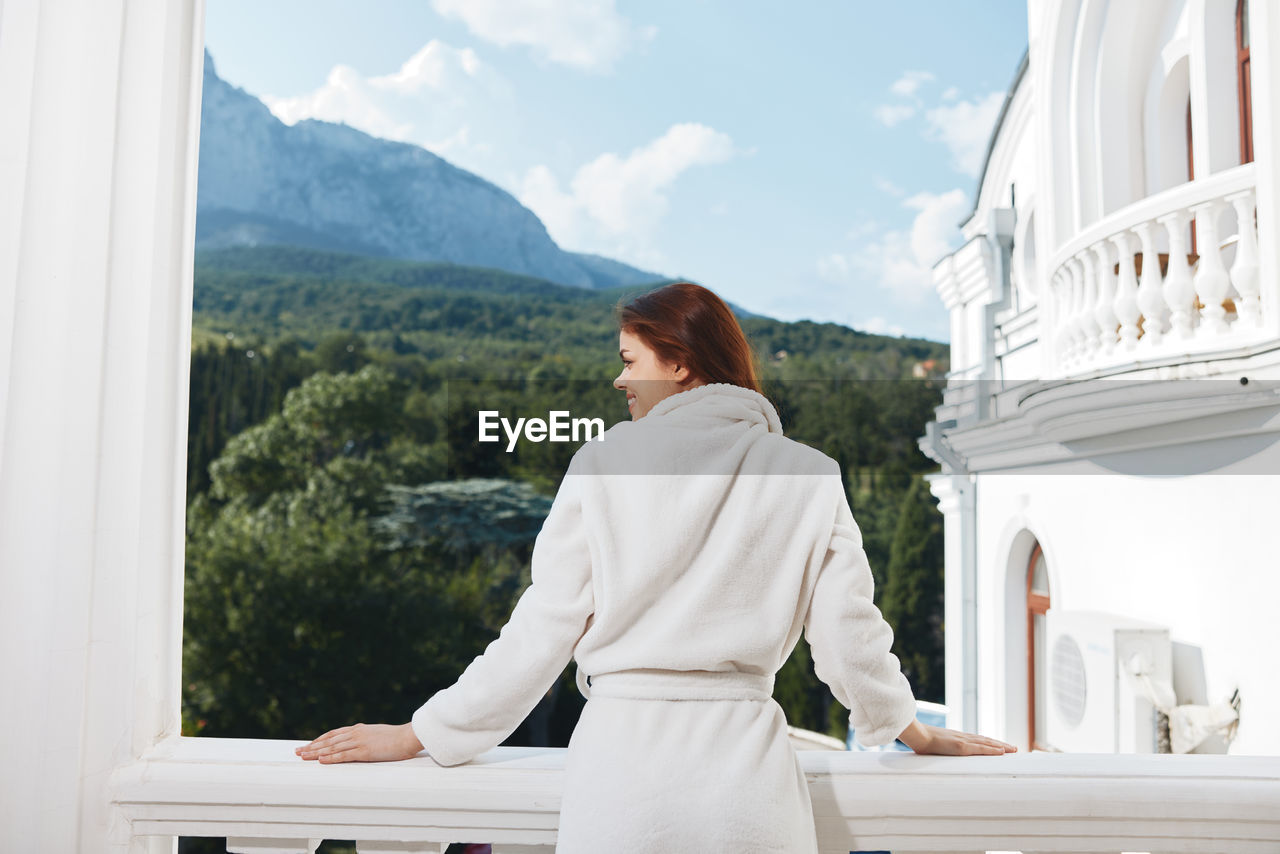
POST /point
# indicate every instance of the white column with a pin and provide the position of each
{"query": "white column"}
(1093, 330)
(1075, 284)
(1244, 270)
(1179, 291)
(1126, 302)
(1150, 293)
(1211, 279)
(101, 100)
(1215, 123)
(955, 494)
(1104, 309)
(1059, 329)
(1264, 34)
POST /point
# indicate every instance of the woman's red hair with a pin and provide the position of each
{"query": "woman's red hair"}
(686, 324)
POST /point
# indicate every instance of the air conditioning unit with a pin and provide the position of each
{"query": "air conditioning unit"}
(1094, 704)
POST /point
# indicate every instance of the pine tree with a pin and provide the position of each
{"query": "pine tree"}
(913, 597)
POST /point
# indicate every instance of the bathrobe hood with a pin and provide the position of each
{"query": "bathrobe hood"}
(717, 428)
(720, 401)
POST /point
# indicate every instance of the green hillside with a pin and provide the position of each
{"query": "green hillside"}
(333, 421)
(443, 310)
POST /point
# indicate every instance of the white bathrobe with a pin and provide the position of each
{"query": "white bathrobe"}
(681, 559)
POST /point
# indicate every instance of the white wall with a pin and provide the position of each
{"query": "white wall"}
(1194, 553)
(967, 279)
(101, 100)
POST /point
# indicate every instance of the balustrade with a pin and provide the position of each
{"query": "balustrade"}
(1128, 290)
(265, 800)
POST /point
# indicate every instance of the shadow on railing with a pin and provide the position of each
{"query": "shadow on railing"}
(263, 798)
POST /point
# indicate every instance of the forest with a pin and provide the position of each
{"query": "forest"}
(351, 548)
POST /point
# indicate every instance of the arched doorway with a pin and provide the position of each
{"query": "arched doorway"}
(1037, 587)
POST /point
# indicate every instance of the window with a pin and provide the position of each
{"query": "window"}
(1037, 605)
(1191, 170)
(1245, 90)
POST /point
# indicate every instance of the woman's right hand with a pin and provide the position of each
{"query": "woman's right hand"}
(363, 743)
(923, 738)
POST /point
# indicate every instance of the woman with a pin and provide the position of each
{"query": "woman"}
(680, 594)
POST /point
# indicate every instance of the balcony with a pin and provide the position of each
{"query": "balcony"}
(1130, 289)
(264, 799)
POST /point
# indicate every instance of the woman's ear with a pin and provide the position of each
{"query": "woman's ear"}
(684, 376)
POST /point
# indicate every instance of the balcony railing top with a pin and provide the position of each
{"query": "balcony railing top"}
(1182, 196)
(262, 797)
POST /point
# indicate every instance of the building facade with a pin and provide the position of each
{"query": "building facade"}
(1108, 436)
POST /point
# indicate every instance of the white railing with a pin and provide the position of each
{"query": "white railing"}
(264, 799)
(1128, 288)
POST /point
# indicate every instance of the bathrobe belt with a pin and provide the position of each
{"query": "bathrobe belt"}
(654, 684)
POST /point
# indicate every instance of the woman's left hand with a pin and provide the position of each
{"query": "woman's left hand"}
(363, 743)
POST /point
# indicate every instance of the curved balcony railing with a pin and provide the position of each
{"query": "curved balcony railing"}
(1130, 289)
(264, 799)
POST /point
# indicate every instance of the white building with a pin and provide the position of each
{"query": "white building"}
(1100, 450)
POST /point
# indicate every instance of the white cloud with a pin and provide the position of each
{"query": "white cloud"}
(879, 326)
(965, 128)
(865, 226)
(584, 34)
(563, 215)
(908, 87)
(833, 267)
(901, 261)
(886, 186)
(436, 99)
(909, 83)
(614, 204)
(937, 225)
(891, 114)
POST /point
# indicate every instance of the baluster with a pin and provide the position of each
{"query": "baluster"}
(1103, 310)
(1086, 332)
(1150, 293)
(1061, 333)
(1244, 271)
(254, 845)
(1179, 292)
(1075, 288)
(1211, 279)
(1126, 301)
(1092, 330)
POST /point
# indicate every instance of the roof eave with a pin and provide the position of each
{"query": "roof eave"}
(995, 133)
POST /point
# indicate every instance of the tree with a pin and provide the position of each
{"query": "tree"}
(296, 616)
(342, 352)
(321, 589)
(340, 426)
(913, 598)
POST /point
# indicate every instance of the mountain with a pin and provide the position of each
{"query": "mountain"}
(250, 288)
(328, 186)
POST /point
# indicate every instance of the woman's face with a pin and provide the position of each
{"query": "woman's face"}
(645, 379)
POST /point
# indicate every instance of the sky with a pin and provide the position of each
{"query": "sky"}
(804, 160)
